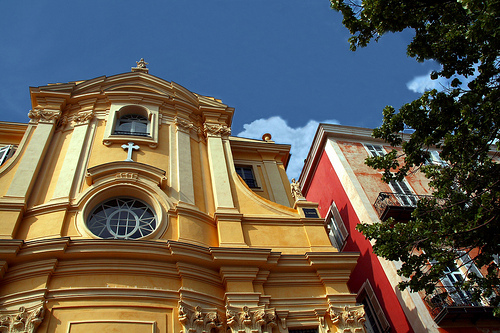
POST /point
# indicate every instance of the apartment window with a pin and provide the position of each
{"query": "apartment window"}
(376, 321)
(246, 173)
(375, 150)
(5, 153)
(403, 193)
(132, 124)
(335, 228)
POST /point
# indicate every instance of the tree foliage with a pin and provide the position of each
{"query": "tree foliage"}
(461, 120)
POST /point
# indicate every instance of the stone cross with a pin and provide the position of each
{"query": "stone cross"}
(130, 147)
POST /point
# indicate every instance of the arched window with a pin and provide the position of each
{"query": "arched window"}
(132, 124)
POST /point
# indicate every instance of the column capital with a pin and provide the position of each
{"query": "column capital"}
(195, 319)
(40, 115)
(251, 320)
(348, 318)
(216, 130)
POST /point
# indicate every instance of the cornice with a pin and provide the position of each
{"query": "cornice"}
(125, 169)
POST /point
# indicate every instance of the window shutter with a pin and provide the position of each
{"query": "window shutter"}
(379, 313)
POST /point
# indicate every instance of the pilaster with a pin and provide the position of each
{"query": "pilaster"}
(29, 166)
(218, 164)
(184, 164)
(73, 157)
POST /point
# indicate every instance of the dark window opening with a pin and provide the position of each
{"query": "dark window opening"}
(132, 124)
(246, 173)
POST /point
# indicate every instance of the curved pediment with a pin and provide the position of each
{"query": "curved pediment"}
(127, 84)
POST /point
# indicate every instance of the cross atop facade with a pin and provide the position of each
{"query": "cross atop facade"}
(130, 147)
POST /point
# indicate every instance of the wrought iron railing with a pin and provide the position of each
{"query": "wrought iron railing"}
(387, 200)
(444, 297)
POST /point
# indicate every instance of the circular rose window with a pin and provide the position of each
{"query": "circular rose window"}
(122, 218)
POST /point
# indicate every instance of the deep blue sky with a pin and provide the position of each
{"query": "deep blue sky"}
(286, 59)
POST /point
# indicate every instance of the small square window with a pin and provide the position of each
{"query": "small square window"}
(246, 173)
(375, 150)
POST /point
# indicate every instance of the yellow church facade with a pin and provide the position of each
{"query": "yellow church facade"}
(127, 206)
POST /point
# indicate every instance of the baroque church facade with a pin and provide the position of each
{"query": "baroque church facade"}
(127, 206)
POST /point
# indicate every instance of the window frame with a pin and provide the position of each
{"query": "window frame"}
(6, 152)
(333, 219)
(254, 174)
(124, 119)
(378, 318)
(118, 209)
(119, 110)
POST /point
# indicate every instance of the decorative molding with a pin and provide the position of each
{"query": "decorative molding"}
(127, 175)
(44, 116)
(23, 321)
(125, 171)
(183, 125)
(251, 320)
(83, 117)
(216, 130)
(195, 320)
(348, 318)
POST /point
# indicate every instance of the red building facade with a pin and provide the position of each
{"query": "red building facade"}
(349, 193)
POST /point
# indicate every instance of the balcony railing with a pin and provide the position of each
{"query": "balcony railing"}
(396, 205)
(450, 303)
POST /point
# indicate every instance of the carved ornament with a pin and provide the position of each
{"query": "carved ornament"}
(183, 125)
(257, 320)
(216, 130)
(44, 116)
(83, 117)
(195, 320)
(127, 175)
(348, 318)
(24, 321)
(296, 192)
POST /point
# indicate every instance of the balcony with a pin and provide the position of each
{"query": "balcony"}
(450, 304)
(396, 205)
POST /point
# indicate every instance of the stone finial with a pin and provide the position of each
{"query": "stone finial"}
(296, 191)
(141, 66)
(266, 137)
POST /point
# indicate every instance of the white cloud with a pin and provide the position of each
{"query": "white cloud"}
(300, 138)
(423, 83)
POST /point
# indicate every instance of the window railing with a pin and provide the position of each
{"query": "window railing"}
(451, 303)
(130, 133)
(397, 205)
